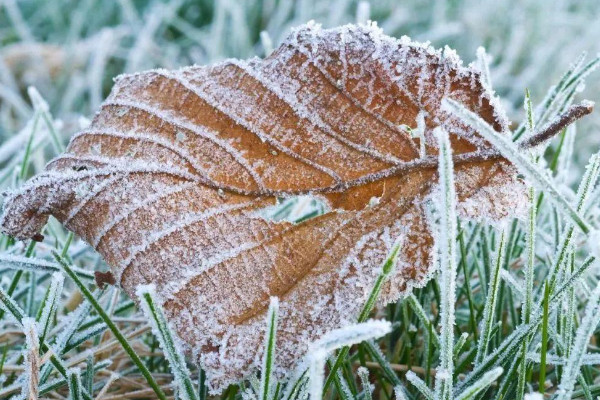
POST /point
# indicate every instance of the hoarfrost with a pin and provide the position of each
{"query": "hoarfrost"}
(32, 362)
(166, 182)
(338, 338)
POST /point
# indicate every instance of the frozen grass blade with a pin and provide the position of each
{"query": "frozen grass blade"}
(269, 353)
(585, 187)
(168, 341)
(587, 327)
(338, 338)
(24, 263)
(50, 304)
(399, 393)
(509, 150)
(542, 377)
(447, 246)
(508, 347)
(386, 269)
(528, 292)
(483, 65)
(420, 385)
(376, 354)
(18, 316)
(74, 384)
(32, 362)
(42, 109)
(460, 343)
(363, 373)
(114, 329)
(491, 300)
(60, 343)
(422, 316)
(482, 384)
(25, 162)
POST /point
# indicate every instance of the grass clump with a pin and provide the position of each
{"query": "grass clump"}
(518, 305)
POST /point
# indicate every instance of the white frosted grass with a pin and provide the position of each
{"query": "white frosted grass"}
(589, 322)
(588, 181)
(266, 42)
(345, 392)
(586, 185)
(447, 247)
(570, 315)
(509, 346)
(484, 67)
(533, 396)
(480, 385)
(86, 334)
(420, 385)
(363, 374)
(268, 364)
(51, 303)
(527, 304)
(30, 389)
(347, 336)
(512, 153)
(487, 322)
(529, 271)
(36, 264)
(10, 147)
(420, 313)
(296, 380)
(41, 107)
(565, 158)
(169, 342)
(399, 393)
(363, 12)
(74, 382)
(38, 102)
(586, 359)
(516, 286)
(460, 343)
(70, 325)
(11, 308)
(562, 91)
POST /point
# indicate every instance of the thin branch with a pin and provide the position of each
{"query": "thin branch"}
(572, 114)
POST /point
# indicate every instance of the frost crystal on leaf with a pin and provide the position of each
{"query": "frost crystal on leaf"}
(168, 181)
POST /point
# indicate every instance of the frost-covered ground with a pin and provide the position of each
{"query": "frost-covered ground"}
(70, 51)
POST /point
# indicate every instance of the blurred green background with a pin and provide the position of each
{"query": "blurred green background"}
(71, 49)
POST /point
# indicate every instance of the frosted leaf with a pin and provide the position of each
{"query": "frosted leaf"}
(168, 182)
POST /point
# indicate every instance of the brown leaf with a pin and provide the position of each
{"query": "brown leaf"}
(168, 182)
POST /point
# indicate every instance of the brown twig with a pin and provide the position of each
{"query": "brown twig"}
(572, 114)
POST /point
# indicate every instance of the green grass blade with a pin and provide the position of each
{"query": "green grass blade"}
(420, 385)
(386, 270)
(447, 245)
(74, 384)
(269, 352)
(490, 303)
(542, 376)
(482, 384)
(168, 341)
(114, 329)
